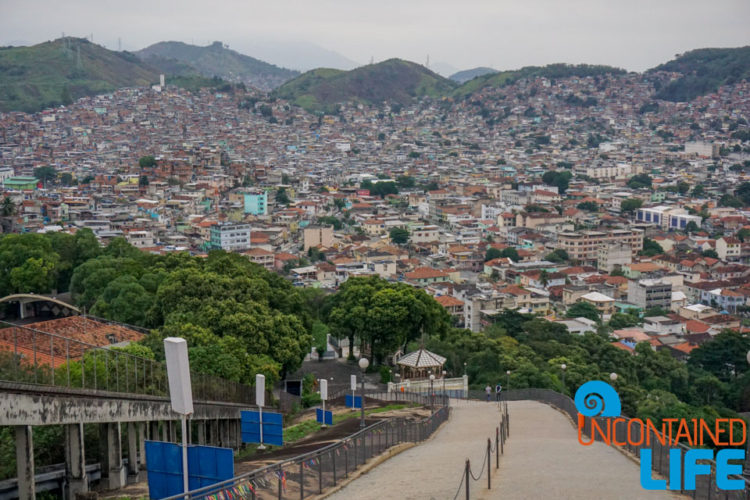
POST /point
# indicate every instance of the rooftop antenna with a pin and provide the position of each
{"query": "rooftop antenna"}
(372, 60)
(78, 57)
(427, 64)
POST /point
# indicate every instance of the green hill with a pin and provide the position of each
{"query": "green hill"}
(503, 78)
(469, 74)
(704, 71)
(214, 60)
(54, 73)
(393, 80)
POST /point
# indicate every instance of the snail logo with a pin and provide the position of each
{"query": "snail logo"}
(597, 399)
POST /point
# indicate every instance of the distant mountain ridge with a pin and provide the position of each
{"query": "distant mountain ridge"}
(560, 70)
(393, 80)
(703, 70)
(57, 72)
(469, 74)
(214, 60)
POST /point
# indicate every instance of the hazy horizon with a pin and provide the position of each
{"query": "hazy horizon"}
(636, 35)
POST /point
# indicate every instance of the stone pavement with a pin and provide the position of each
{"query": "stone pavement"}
(543, 459)
(433, 469)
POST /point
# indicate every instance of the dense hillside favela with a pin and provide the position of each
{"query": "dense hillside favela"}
(511, 221)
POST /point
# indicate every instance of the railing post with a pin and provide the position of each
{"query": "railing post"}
(497, 447)
(467, 473)
(333, 459)
(320, 474)
(489, 465)
(301, 481)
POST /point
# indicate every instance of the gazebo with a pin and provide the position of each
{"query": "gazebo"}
(419, 363)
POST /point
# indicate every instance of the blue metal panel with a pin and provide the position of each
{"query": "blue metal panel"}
(206, 465)
(324, 417)
(273, 431)
(357, 401)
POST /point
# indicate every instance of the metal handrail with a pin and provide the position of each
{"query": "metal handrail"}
(398, 434)
(705, 488)
(41, 358)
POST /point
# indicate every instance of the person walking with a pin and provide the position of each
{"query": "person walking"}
(498, 390)
(488, 390)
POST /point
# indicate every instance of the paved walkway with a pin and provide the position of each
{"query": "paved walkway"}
(431, 470)
(544, 459)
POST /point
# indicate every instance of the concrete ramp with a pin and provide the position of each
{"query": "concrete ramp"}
(543, 459)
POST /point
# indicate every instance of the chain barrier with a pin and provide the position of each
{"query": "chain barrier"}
(502, 432)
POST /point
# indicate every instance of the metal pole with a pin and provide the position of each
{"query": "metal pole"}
(497, 447)
(184, 455)
(489, 465)
(467, 473)
(260, 426)
(362, 422)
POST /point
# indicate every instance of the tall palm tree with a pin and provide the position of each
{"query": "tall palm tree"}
(8, 207)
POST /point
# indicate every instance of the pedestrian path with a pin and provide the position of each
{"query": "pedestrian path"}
(543, 459)
(433, 469)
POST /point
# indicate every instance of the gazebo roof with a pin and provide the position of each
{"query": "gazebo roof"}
(421, 359)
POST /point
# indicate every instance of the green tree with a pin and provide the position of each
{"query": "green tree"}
(510, 253)
(640, 181)
(724, 357)
(743, 193)
(588, 206)
(66, 179)
(692, 227)
(45, 174)
(281, 197)
(560, 179)
(699, 191)
(583, 310)
(492, 253)
(147, 161)
(743, 234)
(710, 252)
(143, 181)
(683, 187)
(651, 248)
(399, 235)
(631, 205)
(557, 255)
(8, 208)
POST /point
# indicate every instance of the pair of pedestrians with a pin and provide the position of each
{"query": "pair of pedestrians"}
(498, 390)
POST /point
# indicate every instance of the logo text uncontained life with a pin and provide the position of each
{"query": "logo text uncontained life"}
(599, 399)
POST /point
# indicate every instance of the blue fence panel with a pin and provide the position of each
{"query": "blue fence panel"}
(164, 466)
(206, 466)
(324, 417)
(357, 403)
(273, 430)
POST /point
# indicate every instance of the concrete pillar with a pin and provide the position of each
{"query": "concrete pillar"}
(154, 428)
(224, 433)
(202, 432)
(466, 386)
(132, 451)
(141, 426)
(115, 470)
(172, 431)
(75, 460)
(214, 439)
(25, 463)
(165, 431)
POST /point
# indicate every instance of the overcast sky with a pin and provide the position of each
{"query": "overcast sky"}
(504, 34)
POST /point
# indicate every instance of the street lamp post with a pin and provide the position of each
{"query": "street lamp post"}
(464, 368)
(363, 364)
(564, 367)
(613, 376)
(398, 385)
(444, 374)
(507, 380)
(432, 395)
